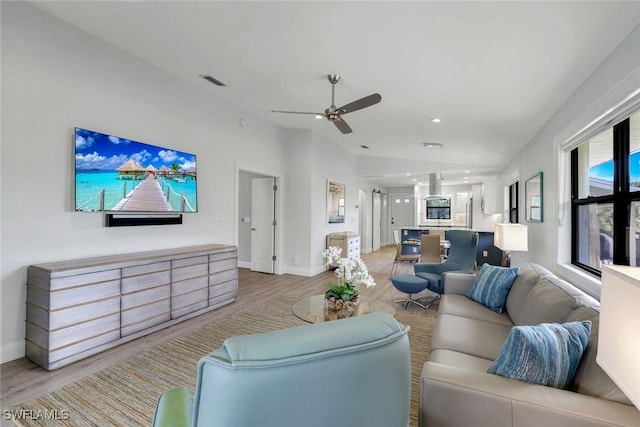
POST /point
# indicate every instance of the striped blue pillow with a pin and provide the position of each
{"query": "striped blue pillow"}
(546, 354)
(491, 286)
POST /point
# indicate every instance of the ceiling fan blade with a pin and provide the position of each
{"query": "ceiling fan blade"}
(297, 112)
(342, 125)
(361, 103)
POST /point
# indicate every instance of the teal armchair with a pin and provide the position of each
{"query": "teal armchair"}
(354, 371)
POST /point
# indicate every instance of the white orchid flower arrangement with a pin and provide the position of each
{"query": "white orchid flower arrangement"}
(351, 272)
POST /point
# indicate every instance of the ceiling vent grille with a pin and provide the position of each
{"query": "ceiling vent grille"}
(213, 80)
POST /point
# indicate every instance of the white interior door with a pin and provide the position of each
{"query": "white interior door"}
(384, 220)
(262, 224)
(376, 221)
(402, 212)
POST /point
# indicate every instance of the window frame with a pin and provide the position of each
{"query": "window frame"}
(513, 202)
(621, 198)
(438, 208)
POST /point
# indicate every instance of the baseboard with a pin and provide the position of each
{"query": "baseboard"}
(12, 351)
(244, 264)
(304, 272)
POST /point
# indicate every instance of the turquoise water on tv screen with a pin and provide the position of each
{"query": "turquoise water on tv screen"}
(90, 183)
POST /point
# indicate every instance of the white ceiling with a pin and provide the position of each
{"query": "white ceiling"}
(494, 72)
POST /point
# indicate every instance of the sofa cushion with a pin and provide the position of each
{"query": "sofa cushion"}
(459, 360)
(527, 278)
(590, 379)
(491, 286)
(551, 300)
(469, 336)
(546, 354)
(460, 305)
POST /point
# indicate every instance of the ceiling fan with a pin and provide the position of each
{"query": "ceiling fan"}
(334, 114)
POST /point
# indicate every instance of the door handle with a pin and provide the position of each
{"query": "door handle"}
(253, 229)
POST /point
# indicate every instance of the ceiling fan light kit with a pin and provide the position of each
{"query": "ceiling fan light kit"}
(334, 114)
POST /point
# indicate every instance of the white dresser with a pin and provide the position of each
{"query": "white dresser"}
(80, 307)
(349, 242)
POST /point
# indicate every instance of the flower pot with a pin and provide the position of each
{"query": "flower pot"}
(343, 308)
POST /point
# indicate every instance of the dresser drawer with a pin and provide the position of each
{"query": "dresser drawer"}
(189, 303)
(145, 297)
(187, 286)
(223, 288)
(145, 316)
(223, 264)
(223, 256)
(189, 272)
(73, 334)
(84, 279)
(222, 277)
(143, 269)
(52, 320)
(67, 297)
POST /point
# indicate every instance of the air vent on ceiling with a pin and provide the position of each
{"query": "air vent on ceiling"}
(213, 80)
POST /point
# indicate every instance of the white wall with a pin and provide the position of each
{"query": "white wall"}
(549, 241)
(56, 77)
(310, 161)
(297, 215)
(330, 161)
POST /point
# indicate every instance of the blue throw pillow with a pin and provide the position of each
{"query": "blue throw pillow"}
(546, 354)
(491, 286)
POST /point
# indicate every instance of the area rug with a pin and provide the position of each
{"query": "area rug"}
(126, 393)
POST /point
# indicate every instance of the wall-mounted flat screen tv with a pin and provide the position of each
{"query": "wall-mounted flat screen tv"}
(114, 174)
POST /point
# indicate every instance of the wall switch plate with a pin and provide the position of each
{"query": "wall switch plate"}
(485, 253)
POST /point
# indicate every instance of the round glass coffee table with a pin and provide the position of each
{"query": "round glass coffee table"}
(314, 309)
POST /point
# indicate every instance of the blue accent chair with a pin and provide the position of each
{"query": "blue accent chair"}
(351, 372)
(461, 259)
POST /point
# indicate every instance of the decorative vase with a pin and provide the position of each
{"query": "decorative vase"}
(341, 307)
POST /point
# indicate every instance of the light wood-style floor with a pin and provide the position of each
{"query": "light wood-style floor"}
(22, 380)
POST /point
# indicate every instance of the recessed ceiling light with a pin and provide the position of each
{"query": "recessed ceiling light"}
(407, 174)
(467, 171)
(432, 145)
(435, 120)
(414, 180)
(318, 116)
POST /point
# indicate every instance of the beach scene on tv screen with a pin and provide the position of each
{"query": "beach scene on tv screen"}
(122, 175)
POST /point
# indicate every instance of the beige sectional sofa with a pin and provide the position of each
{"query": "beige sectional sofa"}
(456, 389)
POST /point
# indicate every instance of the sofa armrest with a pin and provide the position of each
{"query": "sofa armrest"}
(457, 283)
(173, 409)
(457, 397)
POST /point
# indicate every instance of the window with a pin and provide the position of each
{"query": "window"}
(605, 198)
(513, 203)
(438, 208)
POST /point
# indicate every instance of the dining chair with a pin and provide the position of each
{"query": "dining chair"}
(399, 257)
(430, 248)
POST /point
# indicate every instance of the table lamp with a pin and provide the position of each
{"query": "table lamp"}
(618, 333)
(510, 237)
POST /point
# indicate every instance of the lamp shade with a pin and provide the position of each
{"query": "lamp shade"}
(619, 332)
(510, 237)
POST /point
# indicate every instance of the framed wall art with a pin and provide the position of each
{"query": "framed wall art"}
(336, 193)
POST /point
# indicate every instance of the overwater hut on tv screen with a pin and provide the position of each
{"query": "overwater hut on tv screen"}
(115, 174)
